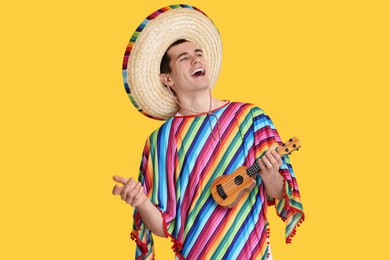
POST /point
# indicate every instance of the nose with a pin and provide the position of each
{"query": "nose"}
(195, 60)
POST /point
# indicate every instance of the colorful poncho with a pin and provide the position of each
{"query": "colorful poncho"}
(180, 161)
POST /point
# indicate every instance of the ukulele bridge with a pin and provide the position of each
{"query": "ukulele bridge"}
(221, 192)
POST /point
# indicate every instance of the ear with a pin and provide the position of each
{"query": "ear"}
(165, 79)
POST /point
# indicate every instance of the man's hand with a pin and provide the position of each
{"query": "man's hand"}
(132, 191)
(269, 164)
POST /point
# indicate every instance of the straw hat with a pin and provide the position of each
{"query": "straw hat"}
(141, 63)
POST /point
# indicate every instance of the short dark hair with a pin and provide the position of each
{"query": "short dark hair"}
(164, 65)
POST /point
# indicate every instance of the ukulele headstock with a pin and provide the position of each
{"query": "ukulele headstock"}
(288, 147)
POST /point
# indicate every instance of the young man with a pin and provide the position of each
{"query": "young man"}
(202, 139)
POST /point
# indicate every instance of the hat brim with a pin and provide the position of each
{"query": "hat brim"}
(141, 64)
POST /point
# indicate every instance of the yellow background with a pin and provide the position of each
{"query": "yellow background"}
(319, 68)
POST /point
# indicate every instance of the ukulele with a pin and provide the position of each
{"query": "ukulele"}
(227, 190)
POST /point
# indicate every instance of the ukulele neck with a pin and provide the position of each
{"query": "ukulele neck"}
(253, 170)
(286, 148)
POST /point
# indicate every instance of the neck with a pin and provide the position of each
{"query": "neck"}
(200, 102)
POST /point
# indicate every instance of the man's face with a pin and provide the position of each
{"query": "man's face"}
(189, 70)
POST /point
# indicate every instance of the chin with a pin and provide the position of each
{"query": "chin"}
(205, 83)
(205, 86)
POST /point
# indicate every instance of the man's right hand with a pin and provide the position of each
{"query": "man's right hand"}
(131, 191)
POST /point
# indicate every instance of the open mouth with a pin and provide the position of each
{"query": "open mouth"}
(198, 72)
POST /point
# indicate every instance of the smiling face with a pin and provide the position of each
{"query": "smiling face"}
(189, 69)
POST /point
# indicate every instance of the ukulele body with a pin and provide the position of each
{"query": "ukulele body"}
(227, 190)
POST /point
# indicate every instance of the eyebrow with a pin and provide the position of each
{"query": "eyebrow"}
(185, 53)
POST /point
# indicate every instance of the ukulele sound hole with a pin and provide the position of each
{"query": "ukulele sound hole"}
(238, 180)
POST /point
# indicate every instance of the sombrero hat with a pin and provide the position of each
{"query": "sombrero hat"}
(143, 55)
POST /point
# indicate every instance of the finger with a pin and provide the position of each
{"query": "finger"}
(125, 192)
(129, 200)
(131, 183)
(128, 190)
(131, 195)
(140, 197)
(262, 164)
(134, 191)
(139, 194)
(275, 154)
(267, 162)
(120, 179)
(117, 189)
(272, 159)
(278, 158)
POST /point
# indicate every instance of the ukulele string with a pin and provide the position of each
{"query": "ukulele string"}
(231, 183)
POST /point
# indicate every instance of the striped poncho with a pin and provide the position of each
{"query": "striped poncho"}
(180, 161)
